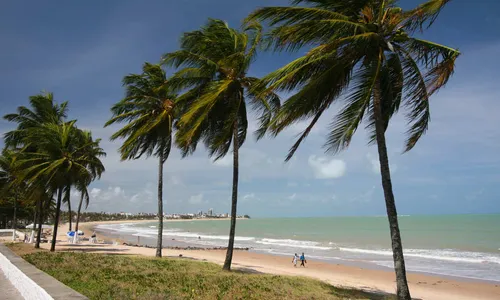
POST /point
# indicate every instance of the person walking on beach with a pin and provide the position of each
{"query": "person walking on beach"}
(93, 238)
(295, 259)
(303, 260)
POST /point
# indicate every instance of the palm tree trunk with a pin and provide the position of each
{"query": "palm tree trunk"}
(56, 221)
(234, 200)
(160, 207)
(78, 213)
(14, 218)
(40, 221)
(35, 218)
(403, 292)
(69, 214)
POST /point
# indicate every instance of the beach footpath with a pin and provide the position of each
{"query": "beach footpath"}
(21, 280)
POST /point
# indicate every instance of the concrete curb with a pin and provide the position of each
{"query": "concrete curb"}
(32, 283)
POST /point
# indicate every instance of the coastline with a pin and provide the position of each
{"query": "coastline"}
(423, 286)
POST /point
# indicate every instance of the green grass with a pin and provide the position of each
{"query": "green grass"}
(101, 276)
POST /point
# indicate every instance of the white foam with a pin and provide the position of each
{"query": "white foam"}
(293, 244)
(445, 255)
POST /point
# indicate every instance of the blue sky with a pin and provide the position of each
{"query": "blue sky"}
(81, 50)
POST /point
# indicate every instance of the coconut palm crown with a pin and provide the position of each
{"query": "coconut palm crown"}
(360, 48)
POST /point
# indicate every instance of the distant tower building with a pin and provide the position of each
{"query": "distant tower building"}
(211, 212)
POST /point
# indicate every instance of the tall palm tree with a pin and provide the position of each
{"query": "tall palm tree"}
(214, 62)
(149, 110)
(92, 152)
(364, 54)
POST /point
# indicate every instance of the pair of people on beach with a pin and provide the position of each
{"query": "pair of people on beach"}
(302, 260)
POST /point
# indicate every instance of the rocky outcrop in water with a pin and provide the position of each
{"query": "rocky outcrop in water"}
(187, 248)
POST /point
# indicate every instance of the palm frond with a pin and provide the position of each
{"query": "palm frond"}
(424, 15)
(286, 16)
(416, 100)
(348, 119)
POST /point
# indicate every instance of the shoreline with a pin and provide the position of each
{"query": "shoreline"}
(341, 274)
(173, 244)
(422, 285)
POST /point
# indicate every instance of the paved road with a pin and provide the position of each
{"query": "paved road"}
(7, 290)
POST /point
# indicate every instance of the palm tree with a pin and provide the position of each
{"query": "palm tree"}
(215, 61)
(43, 110)
(149, 110)
(363, 53)
(92, 152)
(58, 159)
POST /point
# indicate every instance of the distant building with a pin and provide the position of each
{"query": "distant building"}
(211, 212)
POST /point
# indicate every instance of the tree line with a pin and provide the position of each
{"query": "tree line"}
(363, 54)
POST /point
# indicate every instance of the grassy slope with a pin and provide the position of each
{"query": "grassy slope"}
(101, 276)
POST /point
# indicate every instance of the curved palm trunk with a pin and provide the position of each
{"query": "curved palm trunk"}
(69, 213)
(78, 218)
(160, 207)
(40, 221)
(403, 292)
(14, 219)
(78, 212)
(35, 218)
(234, 201)
(56, 220)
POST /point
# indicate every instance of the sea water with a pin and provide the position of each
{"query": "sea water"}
(465, 246)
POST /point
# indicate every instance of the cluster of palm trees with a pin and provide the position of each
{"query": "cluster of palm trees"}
(46, 156)
(362, 54)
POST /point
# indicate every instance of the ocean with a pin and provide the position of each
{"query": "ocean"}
(466, 246)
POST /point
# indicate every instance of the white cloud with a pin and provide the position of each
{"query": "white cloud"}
(175, 180)
(226, 161)
(95, 192)
(135, 198)
(324, 168)
(375, 164)
(292, 197)
(118, 191)
(291, 184)
(196, 199)
(249, 196)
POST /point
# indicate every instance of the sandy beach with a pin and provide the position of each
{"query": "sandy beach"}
(422, 286)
